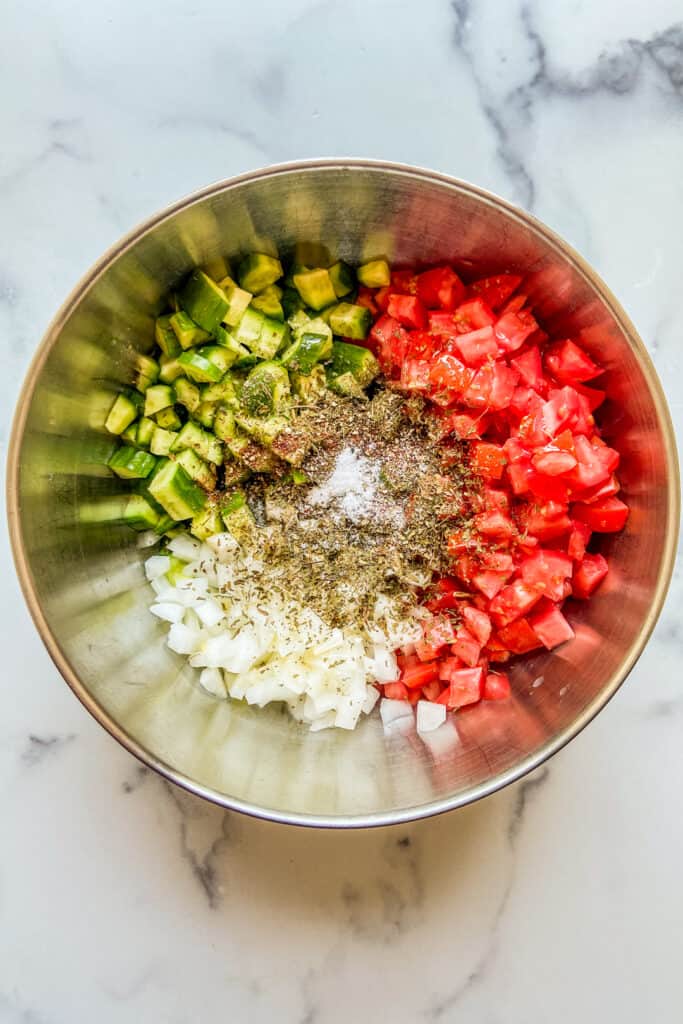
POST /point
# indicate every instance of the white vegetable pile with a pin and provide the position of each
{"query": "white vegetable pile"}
(259, 646)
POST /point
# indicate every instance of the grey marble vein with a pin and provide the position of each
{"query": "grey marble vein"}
(39, 748)
(204, 867)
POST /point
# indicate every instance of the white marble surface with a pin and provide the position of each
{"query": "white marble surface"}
(123, 900)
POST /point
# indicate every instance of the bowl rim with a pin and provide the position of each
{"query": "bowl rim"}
(418, 811)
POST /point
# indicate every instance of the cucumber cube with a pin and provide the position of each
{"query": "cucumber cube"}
(170, 369)
(342, 278)
(224, 423)
(165, 336)
(177, 494)
(199, 367)
(198, 470)
(238, 299)
(145, 430)
(187, 394)
(131, 463)
(351, 321)
(146, 371)
(158, 397)
(121, 415)
(203, 300)
(257, 271)
(162, 441)
(207, 523)
(200, 441)
(186, 331)
(315, 288)
(374, 274)
(354, 359)
(169, 419)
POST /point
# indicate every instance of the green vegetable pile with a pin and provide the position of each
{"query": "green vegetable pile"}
(218, 398)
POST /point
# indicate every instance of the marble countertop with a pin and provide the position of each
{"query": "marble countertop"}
(122, 898)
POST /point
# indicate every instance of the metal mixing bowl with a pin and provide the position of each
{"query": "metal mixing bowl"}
(84, 583)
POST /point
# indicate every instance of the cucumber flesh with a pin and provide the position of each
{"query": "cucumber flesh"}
(237, 298)
(266, 389)
(187, 394)
(354, 359)
(158, 397)
(121, 414)
(207, 523)
(315, 288)
(162, 441)
(204, 301)
(351, 321)
(131, 463)
(165, 336)
(374, 274)
(342, 279)
(187, 332)
(257, 271)
(200, 441)
(169, 419)
(198, 470)
(145, 430)
(170, 369)
(177, 494)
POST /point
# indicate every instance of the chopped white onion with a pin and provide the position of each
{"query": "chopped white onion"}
(167, 611)
(182, 639)
(430, 716)
(391, 710)
(156, 566)
(211, 679)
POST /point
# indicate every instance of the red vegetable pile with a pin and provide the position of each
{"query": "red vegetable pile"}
(493, 378)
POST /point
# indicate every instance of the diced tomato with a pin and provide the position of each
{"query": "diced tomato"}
(439, 632)
(447, 666)
(588, 575)
(420, 675)
(432, 691)
(466, 647)
(381, 297)
(560, 411)
(447, 371)
(465, 426)
(366, 297)
(548, 570)
(478, 394)
(513, 601)
(497, 561)
(404, 281)
(607, 516)
(495, 499)
(526, 402)
(530, 369)
(518, 637)
(495, 290)
(578, 540)
(599, 492)
(390, 340)
(553, 461)
(465, 687)
(395, 691)
(592, 466)
(490, 582)
(427, 651)
(440, 288)
(513, 329)
(494, 524)
(407, 309)
(503, 382)
(473, 314)
(478, 623)
(593, 396)
(543, 524)
(550, 626)
(476, 347)
(496, 686)
(488, 460)
(420, 345)
(569, 364)
(415, 375)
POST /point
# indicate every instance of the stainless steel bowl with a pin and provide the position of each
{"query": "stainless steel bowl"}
(84, 583)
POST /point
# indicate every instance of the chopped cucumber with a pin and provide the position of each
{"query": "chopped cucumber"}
(146, 372)
(170, 369)
(238, 518)
(122, 413)
(130, 434)
(198, 470)
(298, 477)
(344, 384)
(227, 341)
(257, 271)
(169, 419)
(274, 334)
(225, 391)
(268, 302)
(266, 389)
(263, 430)
(145, 429)
(187, 332)
(177, 494)
(351, 321)
(139, 514)
(205, 413)
(199, 367)
(374, 274)
(309, 387)
(165, 336)
(162, 441)
(131, 463)
(187, 394)
(292, 445)
(207, 523)
(315, 288)
(342, 278)
(200, 441)
(354, 359)
(158, 397)
(204, 301)
(313, 345)
(291, 302)
(238, 299)
(224, 423)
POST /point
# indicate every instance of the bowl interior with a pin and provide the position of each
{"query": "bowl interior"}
(84, 581)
